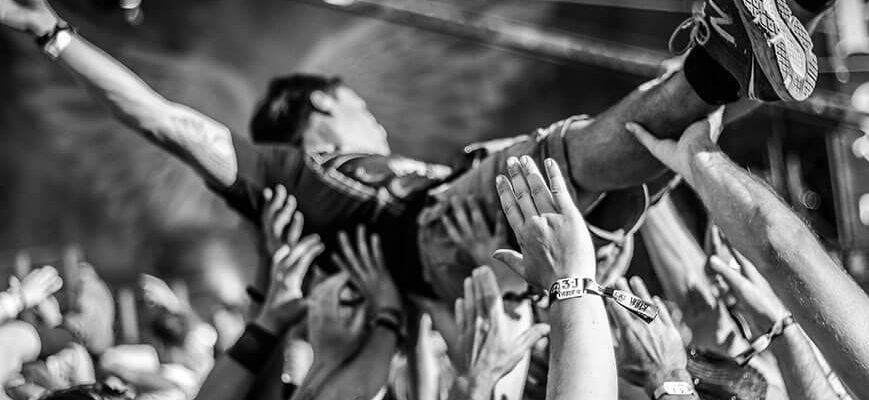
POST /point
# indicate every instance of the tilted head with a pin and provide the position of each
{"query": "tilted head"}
(315, 111)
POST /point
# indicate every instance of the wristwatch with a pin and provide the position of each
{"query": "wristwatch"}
(674, 389)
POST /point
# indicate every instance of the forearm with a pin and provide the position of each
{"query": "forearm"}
(367, 373)
(129, 98)
(819, 293)
(235, 372)
(674, 252)
(203, 143)
(471, 388)
(803, 376)
(581, 361)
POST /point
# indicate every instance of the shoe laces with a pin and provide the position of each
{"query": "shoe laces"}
(697, 27)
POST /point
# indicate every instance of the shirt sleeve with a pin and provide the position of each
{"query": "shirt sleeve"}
(260, 167)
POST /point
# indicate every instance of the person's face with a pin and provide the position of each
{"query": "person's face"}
(353, 127)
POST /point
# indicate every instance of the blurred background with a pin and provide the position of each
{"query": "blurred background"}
(76, 185)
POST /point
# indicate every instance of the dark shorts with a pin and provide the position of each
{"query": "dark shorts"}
(443, 264)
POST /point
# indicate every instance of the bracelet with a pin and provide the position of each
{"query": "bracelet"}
(54, 42)
(254, 348)
(763, 341)
(674, 389)
(570, 288)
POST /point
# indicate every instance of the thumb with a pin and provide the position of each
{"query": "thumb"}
(512, 259)
(531, 336)
(661, 149)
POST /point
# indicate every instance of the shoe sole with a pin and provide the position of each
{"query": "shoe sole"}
(782, 47)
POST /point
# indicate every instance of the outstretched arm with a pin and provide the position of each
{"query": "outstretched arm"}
(196, 139)
(818, 291)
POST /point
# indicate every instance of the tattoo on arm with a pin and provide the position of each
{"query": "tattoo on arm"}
(200, 141)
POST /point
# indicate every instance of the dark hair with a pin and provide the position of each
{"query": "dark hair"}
(283, 114)
(96, 391)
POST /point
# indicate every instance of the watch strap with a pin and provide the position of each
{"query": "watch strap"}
(674, 389)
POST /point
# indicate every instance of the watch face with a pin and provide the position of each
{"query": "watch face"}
(675, 389)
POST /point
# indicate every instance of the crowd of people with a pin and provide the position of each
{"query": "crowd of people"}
(502, 278)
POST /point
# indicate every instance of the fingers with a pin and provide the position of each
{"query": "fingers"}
(352, 261)
(276, 199)
(520, 188)
(488, 295)
(470, 315)
(737, 283)
(478, 221)
(459, 310)
(640, 289)
(645, 138)
(283, 216)
(363, 249)
(300, 268)
(377, 250)
(508, 202)
(461, 216)
(280, 262)
(540, 193)
(451, 229)
(528, 338)
(558, 186)
(748, 268)
(295, 231)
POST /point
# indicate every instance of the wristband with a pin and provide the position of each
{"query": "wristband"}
(674, 389)
(255, 295)
(254, 348)
(763, 341)
(54, 42)
(569, 288)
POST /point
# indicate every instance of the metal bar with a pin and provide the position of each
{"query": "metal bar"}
(555, 46)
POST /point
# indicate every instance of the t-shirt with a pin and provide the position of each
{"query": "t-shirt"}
(337, 191)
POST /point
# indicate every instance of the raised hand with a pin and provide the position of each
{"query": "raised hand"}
(755, 300)
(552, 235)
(648, 353)
(368, 271)
(336, 325)
(698, 138)
(490, 349)
(157, 293)
(37, 286)
(467, 228)
(284, 304)
(280, 222)
(34, 16)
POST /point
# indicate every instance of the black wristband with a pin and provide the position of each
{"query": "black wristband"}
(255, 295)
(391, 319)
(254, 348)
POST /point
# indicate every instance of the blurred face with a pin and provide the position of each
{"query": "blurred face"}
(351, 126)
